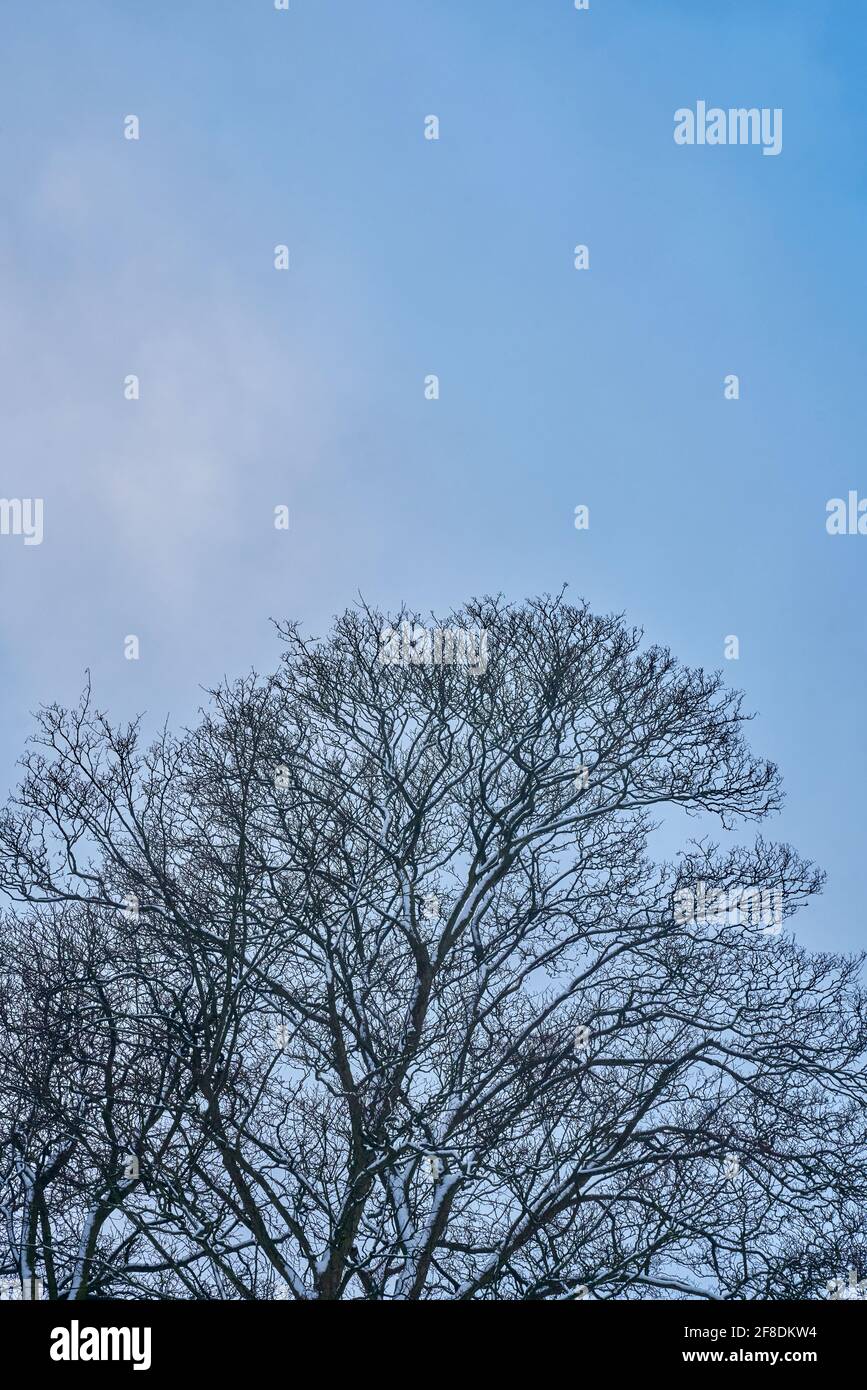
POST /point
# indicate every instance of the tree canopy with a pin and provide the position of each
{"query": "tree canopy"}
(368, 987)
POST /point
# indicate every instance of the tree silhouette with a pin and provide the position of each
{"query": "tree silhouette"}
(367, 987)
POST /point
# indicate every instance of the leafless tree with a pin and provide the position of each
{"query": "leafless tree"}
(372, 974)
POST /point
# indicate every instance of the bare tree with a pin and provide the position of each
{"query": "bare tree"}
(373, 974)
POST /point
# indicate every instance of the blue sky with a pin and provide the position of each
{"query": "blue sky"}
(452, 257)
